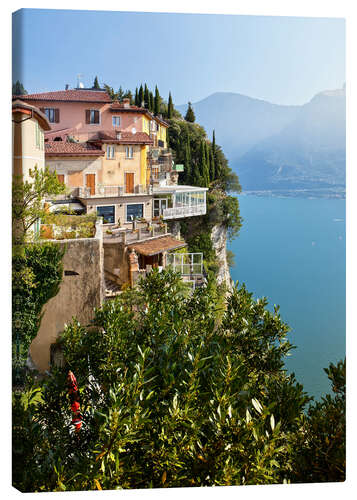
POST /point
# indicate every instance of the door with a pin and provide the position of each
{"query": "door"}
(60, 178)
(129, 183)
(90, 183)
(159, 206)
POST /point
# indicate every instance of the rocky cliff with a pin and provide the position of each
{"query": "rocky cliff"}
(219, 242)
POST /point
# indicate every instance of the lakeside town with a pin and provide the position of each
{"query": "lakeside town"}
(114, 162)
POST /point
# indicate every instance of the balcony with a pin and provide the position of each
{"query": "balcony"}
(109, 191)
(186, 211)
(140, 231)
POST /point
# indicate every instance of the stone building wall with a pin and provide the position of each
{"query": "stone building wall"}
(81, 290)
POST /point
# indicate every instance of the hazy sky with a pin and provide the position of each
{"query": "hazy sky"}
(283, 60)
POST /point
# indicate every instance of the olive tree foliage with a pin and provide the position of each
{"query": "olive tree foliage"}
(320, 444)
(28, 201)
(36, 268)
(171, 396)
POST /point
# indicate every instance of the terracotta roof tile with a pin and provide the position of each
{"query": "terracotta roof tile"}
(71, 95)
(59, 148)
(125, 137)
(153, 247)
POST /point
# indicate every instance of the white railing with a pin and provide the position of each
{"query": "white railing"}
(187, 211)
(108, 191)
(187, 264)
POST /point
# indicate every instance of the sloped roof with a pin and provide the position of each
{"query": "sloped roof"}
(22, 107)
(159, 245)
(70, 95)
(61, 148)
(110, 136)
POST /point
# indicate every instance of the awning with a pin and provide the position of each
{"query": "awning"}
(159, 245)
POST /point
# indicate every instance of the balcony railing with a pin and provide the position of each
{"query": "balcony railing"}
(110, 191)
(142, 232)
(185, 211)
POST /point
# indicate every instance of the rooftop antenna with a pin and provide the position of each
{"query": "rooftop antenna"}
(79, 83)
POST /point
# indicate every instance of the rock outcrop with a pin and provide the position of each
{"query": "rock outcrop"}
(219, 242)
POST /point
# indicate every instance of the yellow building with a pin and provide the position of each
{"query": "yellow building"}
(28, 127)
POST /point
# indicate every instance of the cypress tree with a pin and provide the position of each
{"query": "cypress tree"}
(146, 97)
(136, 102)
(188, 173)
(18, 88)
(151, 101)
(96, 83)
(170, 107)
(141, 96)
(190, 115)
(212, 172)
(157, 101)
(215, 167)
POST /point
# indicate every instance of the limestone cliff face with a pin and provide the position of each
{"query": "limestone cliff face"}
(219, 241)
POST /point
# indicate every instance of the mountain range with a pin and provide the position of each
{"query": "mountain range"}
(280, 148)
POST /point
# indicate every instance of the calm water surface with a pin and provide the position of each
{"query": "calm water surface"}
(293, 251)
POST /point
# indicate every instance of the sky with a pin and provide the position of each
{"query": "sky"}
(284, 60)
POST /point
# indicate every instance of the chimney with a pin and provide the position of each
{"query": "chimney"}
(67, 86)
(126, 102)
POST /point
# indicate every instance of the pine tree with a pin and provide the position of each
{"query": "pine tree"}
(146, 97)
(157, 101)
(120, 94)
(141, 96)
(136, 97)
(96, 83)
(190, 115)
(128, 95)
(170, 107)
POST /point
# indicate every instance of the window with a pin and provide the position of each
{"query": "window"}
(92, 116)
(129, 152)
(52, 115)
(110, 152)
(116, 121)
(134, 211)
(108, 214)
(39, 138)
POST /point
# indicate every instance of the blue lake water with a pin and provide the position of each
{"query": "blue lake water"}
(293, 251)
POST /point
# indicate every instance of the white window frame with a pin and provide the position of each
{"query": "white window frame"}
(129, 149)
(39, 137)
(114, 119)
(110, 152)
(126, 210)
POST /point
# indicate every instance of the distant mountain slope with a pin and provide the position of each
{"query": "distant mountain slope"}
(310, 152)
(279, 147)
(240, 121)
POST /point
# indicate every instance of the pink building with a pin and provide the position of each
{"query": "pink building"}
(81, 113)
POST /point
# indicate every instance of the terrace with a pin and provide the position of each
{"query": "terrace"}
(100, 191)
(140, 231)
(175, 202)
